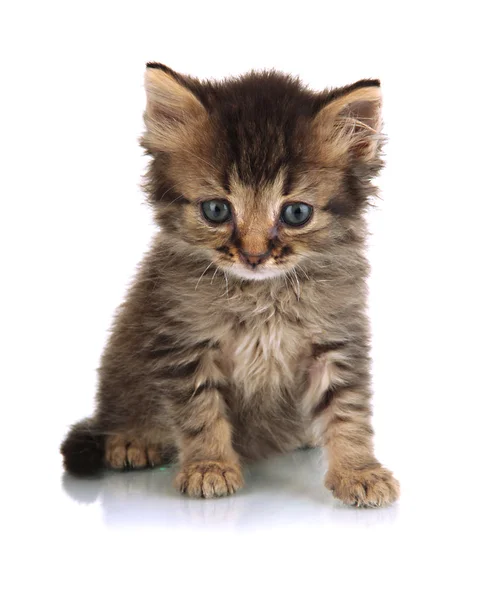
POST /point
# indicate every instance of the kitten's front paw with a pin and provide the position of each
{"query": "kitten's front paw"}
(209, 479)
(372, 487)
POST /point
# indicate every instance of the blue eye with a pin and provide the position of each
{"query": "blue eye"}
(296, 214)
(216, 211)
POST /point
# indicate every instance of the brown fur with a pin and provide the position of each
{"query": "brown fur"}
(248, 337)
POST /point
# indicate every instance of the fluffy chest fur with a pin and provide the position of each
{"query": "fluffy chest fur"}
(265, 343)
(264, 353)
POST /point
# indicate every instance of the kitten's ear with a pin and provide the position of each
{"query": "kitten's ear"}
(173, 112)
(350, 123)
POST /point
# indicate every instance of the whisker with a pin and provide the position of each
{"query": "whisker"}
(303, 270)
(185, 180)
(292, 282)
(298, 284)
(226, 285)
(166, 192)
(174, 200)
(203, 272)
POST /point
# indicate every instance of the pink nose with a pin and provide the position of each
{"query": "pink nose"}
(253, 260)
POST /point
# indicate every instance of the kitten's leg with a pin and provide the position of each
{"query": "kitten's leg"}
(342, 421)
(209, 466)
(354, 474)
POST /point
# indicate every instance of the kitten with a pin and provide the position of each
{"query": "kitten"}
(245, 331)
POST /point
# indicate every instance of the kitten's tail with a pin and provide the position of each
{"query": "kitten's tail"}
(83, 449)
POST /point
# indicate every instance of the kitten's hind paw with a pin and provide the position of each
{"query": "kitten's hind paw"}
(209, 479)
(124, 453)
(371, 487)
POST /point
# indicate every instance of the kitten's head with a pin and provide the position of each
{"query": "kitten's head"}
(259, 173)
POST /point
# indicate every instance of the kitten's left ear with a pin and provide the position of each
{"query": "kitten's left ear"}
(350, 123)
(173, 114)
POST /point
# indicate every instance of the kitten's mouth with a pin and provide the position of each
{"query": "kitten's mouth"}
(270, 264)
(259, 273)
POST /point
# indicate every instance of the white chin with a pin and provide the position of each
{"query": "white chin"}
(258, 274)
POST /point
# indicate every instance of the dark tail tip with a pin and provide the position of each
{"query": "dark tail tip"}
(83, 449)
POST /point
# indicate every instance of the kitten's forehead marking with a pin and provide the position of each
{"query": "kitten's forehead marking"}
(256, 205)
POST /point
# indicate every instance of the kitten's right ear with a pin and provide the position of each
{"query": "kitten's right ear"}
(173, 112)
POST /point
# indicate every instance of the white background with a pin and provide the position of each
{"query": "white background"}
(74, 225)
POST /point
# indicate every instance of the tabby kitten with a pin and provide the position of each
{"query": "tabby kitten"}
(245, 331)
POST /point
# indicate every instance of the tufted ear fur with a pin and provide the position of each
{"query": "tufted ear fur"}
(349, 124)
(173, 113)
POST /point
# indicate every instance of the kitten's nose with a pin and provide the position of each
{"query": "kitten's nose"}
(253, 260)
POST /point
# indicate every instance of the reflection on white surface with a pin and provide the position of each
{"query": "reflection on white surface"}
(280, 491)
(131, 535)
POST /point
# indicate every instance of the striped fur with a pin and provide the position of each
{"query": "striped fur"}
(216, 362)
